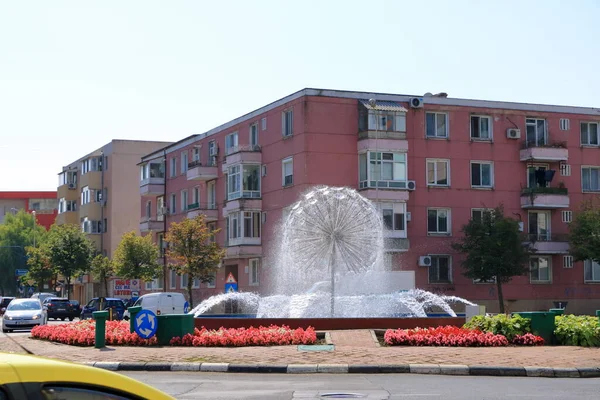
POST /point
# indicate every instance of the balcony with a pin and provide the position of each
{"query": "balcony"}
(152, 187)
(209, 210)
(553, 152)
(382, 145)
(242, 204)
(394, 244)
(243, 250)
(546, 243)
(248, 154)
(202, 171)
(545, 198)
(148, 224)
(67, 217)
(385, 195)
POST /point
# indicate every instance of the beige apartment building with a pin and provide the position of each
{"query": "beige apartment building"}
(100, 192)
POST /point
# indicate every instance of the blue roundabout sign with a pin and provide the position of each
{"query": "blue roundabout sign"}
(145, 324)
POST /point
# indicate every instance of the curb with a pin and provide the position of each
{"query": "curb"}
(430, 369)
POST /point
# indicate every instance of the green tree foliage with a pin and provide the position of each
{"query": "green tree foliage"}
(40, 269)
(193, 252)
(584, 233)
(17, 232)
(102, 270)
(495, 249)
(70, 251)
(136, 257)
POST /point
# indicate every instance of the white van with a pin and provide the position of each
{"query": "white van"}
(163, 303)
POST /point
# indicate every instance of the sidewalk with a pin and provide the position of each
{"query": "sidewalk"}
(352, 348)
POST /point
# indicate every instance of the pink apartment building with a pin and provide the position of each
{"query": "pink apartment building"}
(430, 163)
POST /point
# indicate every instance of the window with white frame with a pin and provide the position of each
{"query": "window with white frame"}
(184, 200)
(567, 261)
(287, 123)
(440, 270)
(566, 216)
(66, 205)
(231, 143)
(591, 271)
(212, 152)
(438, 221)
(160, 208)
(438, 172)
(184, 162)
(382, 170)
(196, 196)
(213, 281)
(253, 271)
(540, 269)
(148, 209)
(173, 204)
(196, 154)
(184, 281)
(212, 226)
(252, 224)
(590, 179)
(387, 121)
(564, 124)
(589, 134)
(482, 174)
(263, 123)
(478, 213)
(287, 171)
(481, 127)
(243, 180)
(253, 135)
(394, 218)
(537, 134)
(565, 170)
(156, 284)
(436, 125)
(211, 194)
(91, 165)
(246, 224)
(536, 175)
(173, 169)
(196, 283)
(172, 279)
(85, 195)
(539, 225)
(160, 241)
(92, 227)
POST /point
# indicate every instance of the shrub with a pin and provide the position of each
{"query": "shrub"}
(501, 324)
(261, 336)
(528, 339)
(577, 330)
(443, 336)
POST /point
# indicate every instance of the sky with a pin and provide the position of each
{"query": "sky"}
(74, 75)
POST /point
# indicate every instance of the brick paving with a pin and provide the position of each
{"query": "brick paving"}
(352, 347)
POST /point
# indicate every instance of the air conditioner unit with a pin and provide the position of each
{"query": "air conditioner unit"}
(416, 102)
(411, 185)
(513, 133)
(425, 261)
(408, 216)
(72, 186)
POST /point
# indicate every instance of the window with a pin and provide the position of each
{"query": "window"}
(234, 226)
(92, 227)
(590, 179)
(536, 132)
(263, 123)
(253, 135)
(482, 174)
(245, 224)
(152, 170)
(539, 225)
(382, 170)
(243, 181)
(567, 261)
(287, 123)
(394, 220)
(173, 204)
(91, 165)
(565, 170)
(195, 283)
(184, 200)
(387, 121)
(196, 154)
(196, 196)
(155, 284)
(67, 178)
(566, 216)
(439, 270)
(173, 172)
(212, 226)
(287, 168)
(172, 279)
(213, 281)
(252, 224)
(589, 134)
(148, 209)
(438, 172)
(160, 208)
(536, 175)
(160, 240)
(212, 151)
(564, 124)
(66, 205)
(253, 271)
(540, 270)
(478, 213)
(211, 194)
(436, 125)
(85, 195)
(184, 281)
(231, 143)
(184, 162)
(481, 127)
(591, 271)
(438, 221)
(81, 392)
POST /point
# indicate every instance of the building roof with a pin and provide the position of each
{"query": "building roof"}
(28, 195)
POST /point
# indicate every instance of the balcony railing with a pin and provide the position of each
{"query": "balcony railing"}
(547, 237)
(201, 206)
(197, 163)
(247, 147)
(544, 190)
(553, 145)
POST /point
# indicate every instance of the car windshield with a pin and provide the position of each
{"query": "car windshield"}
(24, 305)
(138, 302)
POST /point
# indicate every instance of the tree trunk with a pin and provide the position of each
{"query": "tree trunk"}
(189, 289)
(500, 295)
(68, 279)
(105, 286)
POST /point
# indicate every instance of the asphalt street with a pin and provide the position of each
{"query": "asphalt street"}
(28, 331)
(216, 386)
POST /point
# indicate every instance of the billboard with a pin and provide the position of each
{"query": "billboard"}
(125, 287)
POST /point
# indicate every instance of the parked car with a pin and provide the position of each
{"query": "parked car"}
(4, 302)
(60, 308)
(76, 306)
(23, 314)
(42, 296)
(101, 304)
(161, 303)
(29, 377)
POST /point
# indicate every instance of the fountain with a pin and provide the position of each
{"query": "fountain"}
(330, 264)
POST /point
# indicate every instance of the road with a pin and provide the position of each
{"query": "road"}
(215, 386)
(28, 332)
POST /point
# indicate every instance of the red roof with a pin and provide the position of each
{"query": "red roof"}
(28, 195)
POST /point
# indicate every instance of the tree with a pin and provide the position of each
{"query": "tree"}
(193, 252)
(40, 269)
(102, 270)
(136, 257)
(69, 251)
(495, 249)
(17, 232)
(584, 233)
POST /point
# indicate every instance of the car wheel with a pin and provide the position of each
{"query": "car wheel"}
(63, 318)
(6, 331)
(71, 318)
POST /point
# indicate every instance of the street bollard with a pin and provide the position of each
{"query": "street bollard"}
(133, 312)
(100, 317)
(598, 315)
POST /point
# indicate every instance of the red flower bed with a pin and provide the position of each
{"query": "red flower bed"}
(528, 339)
(261, 336)
(82, 333)
(443, 336)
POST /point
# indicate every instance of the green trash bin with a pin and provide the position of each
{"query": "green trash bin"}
(133, 312)
(173, 325)
(557, 311)
(542, 324)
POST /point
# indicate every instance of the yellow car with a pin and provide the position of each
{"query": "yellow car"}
(37, 378)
